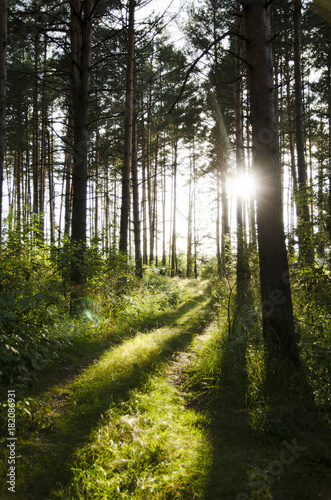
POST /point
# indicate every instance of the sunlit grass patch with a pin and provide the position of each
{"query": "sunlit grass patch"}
(151, 448)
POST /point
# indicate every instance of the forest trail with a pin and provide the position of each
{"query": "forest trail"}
(64, 417)
(135, 424)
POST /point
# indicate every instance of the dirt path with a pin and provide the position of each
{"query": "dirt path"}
(63, 417)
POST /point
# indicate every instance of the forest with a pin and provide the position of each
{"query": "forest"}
(165, 249)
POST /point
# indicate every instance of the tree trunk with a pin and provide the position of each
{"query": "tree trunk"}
(218, 239)
(125, 208)
(173, 243)
(302, 199)
(135, 193)
(153, 205)
(81, 43)
(242, 272)
(51, 188)
(164, 257)
(3, 86)
(35, 151)
(277, 312)
(329, 138)
(143, 201)
(97, 182)
(189, 224)
(290, 126)
(68, 164)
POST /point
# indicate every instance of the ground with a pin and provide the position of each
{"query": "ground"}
(133, 420)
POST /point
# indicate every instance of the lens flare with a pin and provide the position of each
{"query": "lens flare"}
(243, 185)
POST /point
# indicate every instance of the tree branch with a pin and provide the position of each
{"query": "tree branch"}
(194, 63)
(238, 57)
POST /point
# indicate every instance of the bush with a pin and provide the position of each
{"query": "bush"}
(30, 303)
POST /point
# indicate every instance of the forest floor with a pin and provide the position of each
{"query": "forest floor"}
(127, 421)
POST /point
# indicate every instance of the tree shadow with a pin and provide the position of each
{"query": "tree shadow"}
(301, 468)
(48, 458)
(281, 449)
(228, 430)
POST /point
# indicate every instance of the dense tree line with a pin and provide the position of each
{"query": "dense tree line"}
(99, 112)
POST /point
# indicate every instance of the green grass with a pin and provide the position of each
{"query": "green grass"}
(252, 432)
(65, 416)
(150, 447)
(175, 409)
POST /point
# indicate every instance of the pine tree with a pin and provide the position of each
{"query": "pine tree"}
(277, 310)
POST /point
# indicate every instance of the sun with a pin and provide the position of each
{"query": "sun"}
(243, 185)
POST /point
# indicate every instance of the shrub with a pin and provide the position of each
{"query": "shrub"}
(30, 303)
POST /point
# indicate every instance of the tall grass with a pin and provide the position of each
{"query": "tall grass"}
(150, 447)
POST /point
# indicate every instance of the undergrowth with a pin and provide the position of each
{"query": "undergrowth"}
(44, 321)
(142, 452)
(232, 365)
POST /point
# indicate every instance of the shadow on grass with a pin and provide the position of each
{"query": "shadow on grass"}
(282, 453)
(44, 464)
(228, 431)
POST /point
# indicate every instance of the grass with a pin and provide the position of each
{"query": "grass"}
(263, 447)
(142, 452)
(64, 417)
(175, 409)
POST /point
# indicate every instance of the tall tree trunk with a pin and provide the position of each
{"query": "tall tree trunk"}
(149, 175)
(18, 169)
(252, 210)
(221, 147)
(218, 211)
(302, 198)
(242, 273)
(97, 182)
(81, 46)
(153, 206)
(36, 156)
(290, 126)
(225, 236)
(329, 137)
(144, 201)
(51, 187)
(3, 86)
(135, 192)
(277, 311)
(189, 223)
(173, 243)
(164, 257)
(128, 123)
(115, 217)
(195, 230)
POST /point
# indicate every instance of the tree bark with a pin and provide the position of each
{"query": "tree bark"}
(35, 150)
(51, 187)
(189, 223)
(277, 311)
(81, 46)
(242, 272)
(173, 243)
(302, 199)
(135, 192)
(329, 137)
(144, 201)
(3, 87)
(68, 166)
(218, 239)
(128, 123)
(164, 178)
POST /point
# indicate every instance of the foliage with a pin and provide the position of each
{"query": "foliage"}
(31, 304)
(312, 312)
(42, 314)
